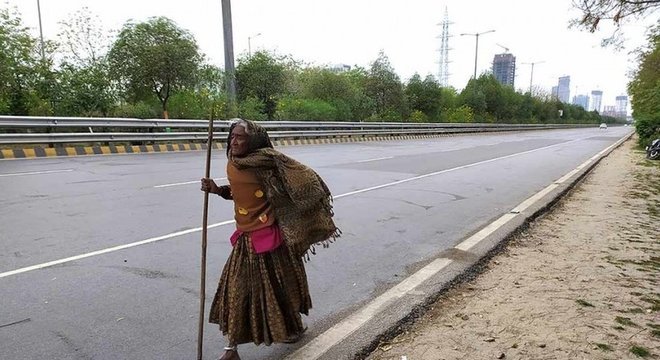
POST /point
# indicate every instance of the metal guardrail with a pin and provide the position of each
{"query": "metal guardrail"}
(53, 130)
(45, 138)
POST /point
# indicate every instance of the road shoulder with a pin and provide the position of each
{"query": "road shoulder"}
(580, 282)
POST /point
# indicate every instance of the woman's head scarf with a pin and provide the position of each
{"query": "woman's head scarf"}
(257, 136)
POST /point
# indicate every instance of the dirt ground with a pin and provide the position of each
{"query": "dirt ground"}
(581, 283)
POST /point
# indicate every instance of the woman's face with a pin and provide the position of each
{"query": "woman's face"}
(238, 141)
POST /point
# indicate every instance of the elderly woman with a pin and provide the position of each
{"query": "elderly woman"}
(282, 209)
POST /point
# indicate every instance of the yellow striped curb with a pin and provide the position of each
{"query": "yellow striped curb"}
(39, 152)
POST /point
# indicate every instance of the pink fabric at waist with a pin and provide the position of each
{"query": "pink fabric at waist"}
(263, 240)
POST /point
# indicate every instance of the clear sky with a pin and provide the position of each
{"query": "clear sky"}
(353, 31)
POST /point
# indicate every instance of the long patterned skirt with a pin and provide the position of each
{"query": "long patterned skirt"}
(260, 296)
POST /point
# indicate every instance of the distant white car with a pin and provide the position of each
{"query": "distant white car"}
(603, 126)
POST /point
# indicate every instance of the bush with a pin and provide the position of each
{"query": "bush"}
(462, 114)
(140, 110)
(305, 109)
(418, 117)
(343, 111)
(4, 107)
(188, 105)
(252, 109)
(648, 129)
(39, 107)
(386, 116)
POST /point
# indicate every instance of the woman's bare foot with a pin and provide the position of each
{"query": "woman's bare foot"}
(230, 354)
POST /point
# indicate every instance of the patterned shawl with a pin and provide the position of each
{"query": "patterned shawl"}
(301, 200)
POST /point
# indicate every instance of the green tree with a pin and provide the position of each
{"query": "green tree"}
(140, 110)
(645, 90)
(384, 87)
(491, 101)
(525, 111)
(297, 109)
(448, 101)
(262, 77)
(26, 80)
(461, 114)
(448, 97)
(210, 78)
(424, 95)
(507, 110)
(333, 88)
(84, 86)
(83, 41)
(494, 97)
(154, 56)
(252, 108)
(84, 91)
(362, 106)
(545, 111)
(473, 97)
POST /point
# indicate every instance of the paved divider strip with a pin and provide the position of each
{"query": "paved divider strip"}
(39, 152)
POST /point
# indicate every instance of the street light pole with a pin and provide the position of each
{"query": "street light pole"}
(41, 33)
(229, 53)
(476, 48)
(249, 46)
(531, 76)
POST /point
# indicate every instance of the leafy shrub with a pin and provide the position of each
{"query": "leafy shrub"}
(461, 114)
(252, 109)
(139, 110)
(306, 109)
(418, 117)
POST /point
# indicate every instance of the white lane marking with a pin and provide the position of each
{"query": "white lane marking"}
(36, 172)
(534, 198)
(168, 236)
(483, 233)
(319, 345)
(331, 337)
(448, 170)
(473, 240)
(184, 183)
(376, 159)
(105, 251)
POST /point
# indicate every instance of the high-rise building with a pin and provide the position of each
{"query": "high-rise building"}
(563, 89)
(609, 110)
(553, 92)
(504, 68)
(339, 68)
(596, 99)
(581, 100)
(622, 106)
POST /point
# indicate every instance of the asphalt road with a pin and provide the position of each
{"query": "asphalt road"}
(131, 222)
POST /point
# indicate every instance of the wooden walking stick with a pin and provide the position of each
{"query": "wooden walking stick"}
(205, 216)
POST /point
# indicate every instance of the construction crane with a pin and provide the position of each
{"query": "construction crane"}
(506, 49)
